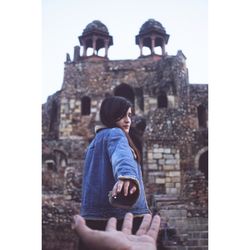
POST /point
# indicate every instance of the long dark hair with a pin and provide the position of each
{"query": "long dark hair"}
(112, 109)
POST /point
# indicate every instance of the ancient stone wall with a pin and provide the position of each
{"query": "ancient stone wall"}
(162, 169)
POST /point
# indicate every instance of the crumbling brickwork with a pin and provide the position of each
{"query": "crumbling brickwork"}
(169, 128)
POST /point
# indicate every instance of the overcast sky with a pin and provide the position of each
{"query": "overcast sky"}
(64, 20)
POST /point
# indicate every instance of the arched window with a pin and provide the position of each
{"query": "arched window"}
(60, 158)
(89, 47)
(202, 116)
(51, 165)
(126, 91)
(147, 49)
(158, 46)
(162, 100)
(85, 105)
(203, 164)
(53, 116)
(100, 45)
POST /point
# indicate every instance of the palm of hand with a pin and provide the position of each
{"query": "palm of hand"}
(117, 240)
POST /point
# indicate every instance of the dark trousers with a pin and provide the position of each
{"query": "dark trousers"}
(101, 225)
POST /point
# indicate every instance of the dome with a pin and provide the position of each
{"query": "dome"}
(152, 24)
(96, 25)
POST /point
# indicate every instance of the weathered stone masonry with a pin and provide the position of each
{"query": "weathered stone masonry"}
(169, 128)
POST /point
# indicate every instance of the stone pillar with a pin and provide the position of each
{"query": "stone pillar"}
(94, 44)
(106, 47)
(163, 47)
(84, 48)
(68, 60)
(152, 44)
(141, 46)
(76, 53)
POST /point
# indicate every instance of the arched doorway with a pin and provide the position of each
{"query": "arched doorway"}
(202, 116)
(126, 91)
(53, 116)
(85, 105)
(162, 100)
(201, 161)
(203, 164)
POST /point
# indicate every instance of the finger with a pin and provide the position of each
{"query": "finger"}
(117, 188)
(80, 227)
(78, 222)
(144, 225)
(111, 224)
(154, 227)
(90, 237)
(127, 223)
(114, 192)
(125, 187)
(133, 189)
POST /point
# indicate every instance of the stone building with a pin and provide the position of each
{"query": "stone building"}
(169, 128)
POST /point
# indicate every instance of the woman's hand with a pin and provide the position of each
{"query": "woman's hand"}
(129, 187)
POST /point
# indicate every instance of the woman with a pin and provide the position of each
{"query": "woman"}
(112, 182)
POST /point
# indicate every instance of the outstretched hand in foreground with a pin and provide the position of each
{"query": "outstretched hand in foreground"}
(111, 239)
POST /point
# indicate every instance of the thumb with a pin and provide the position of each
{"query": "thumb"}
(78, 223)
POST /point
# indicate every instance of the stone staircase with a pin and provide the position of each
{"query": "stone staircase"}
(196, 236)
(178, 230)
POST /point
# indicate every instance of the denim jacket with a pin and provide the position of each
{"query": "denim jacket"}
(109, 158)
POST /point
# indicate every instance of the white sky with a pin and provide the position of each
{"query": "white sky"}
(64, 20)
